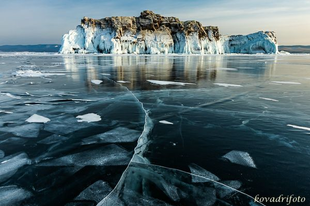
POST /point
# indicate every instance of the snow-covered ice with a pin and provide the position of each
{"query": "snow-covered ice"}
(90, 117)
(227, 85)
(96, 81)
(165, 122)
(35, 118)
(197, 170)
(240, 157)
(168, 82)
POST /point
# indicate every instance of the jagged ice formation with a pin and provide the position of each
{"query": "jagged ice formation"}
(152, 33)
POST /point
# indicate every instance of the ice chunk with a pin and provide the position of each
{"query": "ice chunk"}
(197, 170)
(53, 139)
(230, 187)
(165, 122)
(95, 192)
(269, 99)
(122, 81)
(10, 164)
(120, 134)
(12, 195)
(90, 117)
(64, 125)
(107, 155)
(13, 140)
(299, 127)
(27, 130)
(241, 158)
(227, 85)
(95, 81)
(167, 82)
(37, 119)
(283, 82)
(1, 154)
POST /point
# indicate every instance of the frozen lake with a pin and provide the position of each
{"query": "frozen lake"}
(153, 130)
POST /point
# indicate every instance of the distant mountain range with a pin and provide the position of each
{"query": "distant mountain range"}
(55, 48)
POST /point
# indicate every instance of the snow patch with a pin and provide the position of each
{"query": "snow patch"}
(91, 117)
(96, 81)
(37, 119)
(227, 85)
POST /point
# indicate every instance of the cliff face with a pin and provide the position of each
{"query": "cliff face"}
(152, 33)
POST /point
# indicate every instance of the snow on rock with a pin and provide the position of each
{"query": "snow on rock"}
(96, 81)
(152, 33)
(165, 122)
(240, 157)
(13, 195)
(167, 82)
(91, 117)
(227, 85)
(197, 170)
(37, 119)
(10, 164)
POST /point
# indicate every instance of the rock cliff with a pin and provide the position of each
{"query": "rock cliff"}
(152, 33)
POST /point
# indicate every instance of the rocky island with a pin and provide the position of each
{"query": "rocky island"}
(152, 33)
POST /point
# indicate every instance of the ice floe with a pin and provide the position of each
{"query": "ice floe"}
(37, 119)
(118, 135)
(90, 117)
(299, 127)
(168, 82)
(240, 157)
(10, 164)
(165, 122)
(95, 192)
(103, 156)
(269, 99)
(284, 82)
(13, 195)
(197, 170)
(227, 85)
(96, 81)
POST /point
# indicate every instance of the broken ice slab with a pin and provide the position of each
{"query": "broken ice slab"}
(201, 175)
(26, 130)
(13, 140)
(37, 119)
(10, 164)
(103, 156)
(240, 157)
(96, 81)
(90, 117)
(227, 187)
(53, 139)
(118, 135)
(13, 195)
(95, 192)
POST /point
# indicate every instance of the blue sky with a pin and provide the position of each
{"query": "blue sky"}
(45, 21)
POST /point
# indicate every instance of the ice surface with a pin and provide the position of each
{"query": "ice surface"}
(13, 140)
(283, 82)
(13, 195)
(299, 127)
(107, 155)
(227, 85)
(64, 125)
(2, 154)
(53, 139)
(90, 117)
(167, 82)
(95, 81)
(37, 119)
(34, 73)
(197, 170)
(105, 74)
(240, 157)
(165, 122)
(26, 130)
(95, 192)
(120, 134)
(230, 187)
(10, 164)
(10, 95)
(5, 112)
(269, 99)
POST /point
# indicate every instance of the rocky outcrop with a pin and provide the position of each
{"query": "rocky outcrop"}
(152, 33)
